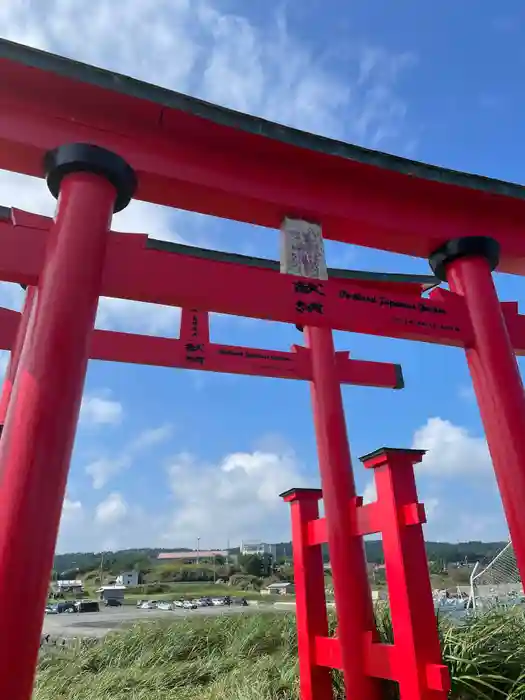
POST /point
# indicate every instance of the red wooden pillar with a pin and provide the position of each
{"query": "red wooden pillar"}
(312, 619)
(14, 358)
(346, 548)
(37, 442)
(467, 264)
(420, 672)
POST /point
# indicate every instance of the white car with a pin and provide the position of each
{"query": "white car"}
(178, 603)
(217, 601)
(148, 605)
(189, 605)
(165, 606)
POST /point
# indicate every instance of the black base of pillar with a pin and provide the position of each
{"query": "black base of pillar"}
(88, 158)
(469, 246)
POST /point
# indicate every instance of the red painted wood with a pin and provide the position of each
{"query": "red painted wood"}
(133, 271)
(18, 332)
(194, 352)
(498, 385)
(37, 440)
(409, 590)
(312, 620)
(192, 163)
(346, 547)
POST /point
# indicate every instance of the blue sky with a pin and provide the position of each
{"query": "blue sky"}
(165, 456)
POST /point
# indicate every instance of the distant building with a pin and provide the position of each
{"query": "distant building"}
(280, 588)
(256, 547)
(111, 592)
(74, 586)
(193, 557)
(128, 578)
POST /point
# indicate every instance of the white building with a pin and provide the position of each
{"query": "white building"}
(255, 547)
(279, 588)
(74, 586)
(128, 578)
(111, 592)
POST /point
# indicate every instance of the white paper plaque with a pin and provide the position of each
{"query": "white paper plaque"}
(302, 249)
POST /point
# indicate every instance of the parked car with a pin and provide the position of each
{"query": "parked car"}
(178, 603)
(112, 603)
(51, 610)
(149, 605)
(164, 605)
(217, 601)
(140, 603)
(189, 605)
(85, 606)
(64, 606)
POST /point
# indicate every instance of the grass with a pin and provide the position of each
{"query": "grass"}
(255, 658)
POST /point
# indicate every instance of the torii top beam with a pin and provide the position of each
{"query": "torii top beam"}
(197, 156)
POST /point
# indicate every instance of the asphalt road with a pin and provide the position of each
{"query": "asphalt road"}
(67, 625)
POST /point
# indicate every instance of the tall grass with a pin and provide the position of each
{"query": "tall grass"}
(255, 658)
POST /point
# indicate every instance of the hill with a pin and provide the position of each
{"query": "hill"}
(145, 558)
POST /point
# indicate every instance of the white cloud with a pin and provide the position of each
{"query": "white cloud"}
(457, 479)
(111, 510)
(221, 57)
(459, 505)
(71, 510)
(235, 499)
(370, 492)
(451, 450)
(105, 468)
(71, 521)
(224, 58)
(137, 317)
(100, 410)
(150, 437)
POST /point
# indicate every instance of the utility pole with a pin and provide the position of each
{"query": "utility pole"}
(101, 567)
(198, 549)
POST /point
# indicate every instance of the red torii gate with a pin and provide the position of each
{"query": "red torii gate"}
(174, 150)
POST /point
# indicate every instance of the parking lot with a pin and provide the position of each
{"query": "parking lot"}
(110, 619)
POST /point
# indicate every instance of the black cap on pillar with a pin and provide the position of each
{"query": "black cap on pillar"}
(88, 158)
(466, 247)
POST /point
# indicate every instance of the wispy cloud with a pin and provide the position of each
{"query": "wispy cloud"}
(101, 409)
(106, 467)
(197, 48)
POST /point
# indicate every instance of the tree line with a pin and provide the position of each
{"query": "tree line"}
(78, 563)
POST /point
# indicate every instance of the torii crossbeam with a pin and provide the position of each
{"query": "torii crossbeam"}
(101, 139)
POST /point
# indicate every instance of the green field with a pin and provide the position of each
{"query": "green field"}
(255, 658)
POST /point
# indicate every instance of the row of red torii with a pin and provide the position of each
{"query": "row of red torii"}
(64, 120)
(373, 304)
